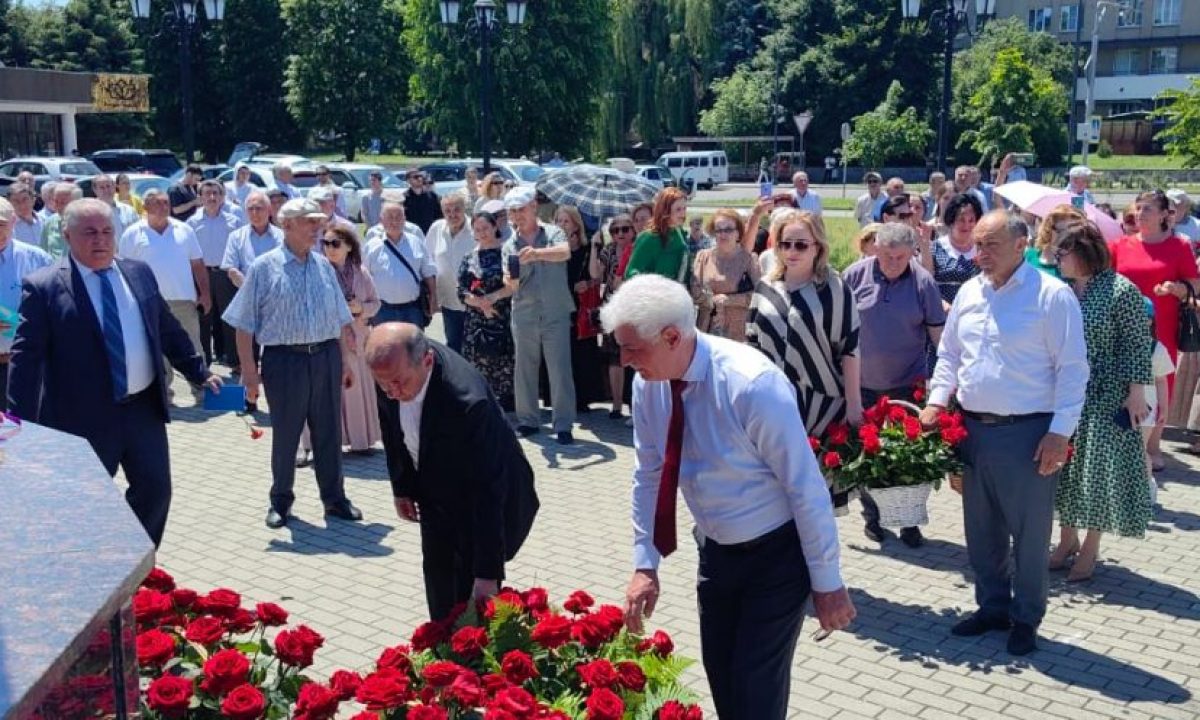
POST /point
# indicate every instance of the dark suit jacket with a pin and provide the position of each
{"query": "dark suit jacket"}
(59, 373)
(474, 479)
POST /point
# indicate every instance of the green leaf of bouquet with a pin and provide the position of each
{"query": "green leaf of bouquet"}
(247, 648)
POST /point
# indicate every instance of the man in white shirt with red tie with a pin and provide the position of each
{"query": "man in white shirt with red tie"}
(719, 421)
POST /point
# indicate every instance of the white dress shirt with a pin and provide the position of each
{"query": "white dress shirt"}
(746, 468)
(139, 366)
(410, 422)
(810, 202)
(395, 284)
(376, 231)
(448, 253)
(169, 254)
(1015, 350)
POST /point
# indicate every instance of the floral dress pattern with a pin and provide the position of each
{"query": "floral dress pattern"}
(1104, 485)
(488, 342)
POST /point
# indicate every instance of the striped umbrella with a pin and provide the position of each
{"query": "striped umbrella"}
(597, 191)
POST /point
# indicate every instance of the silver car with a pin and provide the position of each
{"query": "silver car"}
(46, 168)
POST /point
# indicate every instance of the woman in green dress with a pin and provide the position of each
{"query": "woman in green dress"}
(1103, 487)
(662, 248)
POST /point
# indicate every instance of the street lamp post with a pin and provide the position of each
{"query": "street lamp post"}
(184, 16)
(484, 22)
(1089, 102)
(953, 14)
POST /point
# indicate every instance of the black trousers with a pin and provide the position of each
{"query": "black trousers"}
(304, 388)
(752, 599)
(445, 560)
(137, 443)
(4, 386)
(219, 339)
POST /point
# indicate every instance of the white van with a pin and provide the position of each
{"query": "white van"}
(705, 168)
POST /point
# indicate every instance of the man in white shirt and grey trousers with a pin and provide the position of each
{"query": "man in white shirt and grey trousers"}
(1013, 350)
(718, 421)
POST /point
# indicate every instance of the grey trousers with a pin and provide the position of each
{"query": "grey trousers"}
(189, 317)
(1008, 511)
(534, 337)
(305, 388)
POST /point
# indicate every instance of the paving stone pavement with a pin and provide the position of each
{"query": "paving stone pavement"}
(1126, 645)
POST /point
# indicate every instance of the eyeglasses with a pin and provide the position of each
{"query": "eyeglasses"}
(798, 245)
(322, 174)
(621, 229)
(335, 244)
(872, 182)
(1059, 253)
(724, 229)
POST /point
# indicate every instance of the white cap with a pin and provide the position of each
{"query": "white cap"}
(493, 206)
(320, 194)
(300, 208)
(519, 197)
(1080, 171)
(1178, 197)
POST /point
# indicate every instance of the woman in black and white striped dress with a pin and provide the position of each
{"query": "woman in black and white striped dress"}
(805, 319)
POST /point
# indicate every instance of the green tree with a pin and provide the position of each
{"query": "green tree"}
(349, 75)
(739, 25)
(250, 75)
(547, 75)
(21, 31)
(741, 104)
(1181, 136)
(888, 133)
(1017, 106)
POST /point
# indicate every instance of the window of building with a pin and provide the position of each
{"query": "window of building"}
(1040, 19)
(1121, 108)
(1068, 18)
(1131, 14)
(1128, 61)
(1164, 60)
(1166, 12)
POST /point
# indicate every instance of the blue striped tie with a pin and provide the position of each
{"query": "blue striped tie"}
(114, 337)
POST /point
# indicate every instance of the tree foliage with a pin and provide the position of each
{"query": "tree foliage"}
(1017, 106)
(348, 75)
(741, 105)
(888, 133)
(1181, 137)
(254, 49)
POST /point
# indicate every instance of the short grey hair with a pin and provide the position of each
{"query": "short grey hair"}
(896, 235)
(458, 197)
(281, 166)
(650, 304)
(47, 188)
(153, 193)
(69, 187)
(256, 194)
(6, 210)
(85, 206)
(416, 346)
(21, 188)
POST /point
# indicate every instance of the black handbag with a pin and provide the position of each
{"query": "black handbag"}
(1189, 322)
(746, 283)
(422, 288)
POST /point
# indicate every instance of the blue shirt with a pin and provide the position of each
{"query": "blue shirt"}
(245, 245)
(811, 202)
(212, 232)
(17, 260)
(746, 467)
(288, 302)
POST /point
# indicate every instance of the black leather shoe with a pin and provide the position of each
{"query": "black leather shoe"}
(276, 519)
(304, 459)
(344, 510)
(1022, 640)
(526, 430)
(874, 532)
(977, 624)
(912, 537)
(565, 438)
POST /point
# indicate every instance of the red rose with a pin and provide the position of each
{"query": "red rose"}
(946, 420)
(183, 598)
(675, 710)
(365, 716)
(839, 434)
(954, 435)
(814, 443)
(385, 689)
(494, 683)
(589, 631)
(494, 713)
(221, 602)
(514, 700)
(428, 636)
(241, 621)
(149, 605)
(506, 597)
(598, 673)
(395, 658)
(169, 695)
(604, 704)
(659, 642)
(159, 580)
(912, 427)
(224, 671)
(205, 630)
(441, 673)
(345, 683)
(832, 460)
(536, 599)
(154, 648)
(872, 445)
(466, 690)
(270, 614)
(316, 702)
(426, 712)
(296, 647)
(1070, 449)
(918, 394)
(630, 675)
(612, 618)
(245, 702)
(578, 602)
(469, 641)
(518, 667)
(551, 632)
(898, 414)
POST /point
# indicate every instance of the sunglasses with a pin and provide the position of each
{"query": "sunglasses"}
(621, 229)
(724, 229)
(798, 245)
(335, 244)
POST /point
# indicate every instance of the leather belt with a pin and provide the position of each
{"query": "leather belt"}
(993, 419)
(308, 349)
(4, 358)
(757, 542)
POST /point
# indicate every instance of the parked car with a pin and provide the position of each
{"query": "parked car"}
(655, 174)
(271, 159)
(127, 160)
(260, 176)
(254, 153)
(211, 172)
(707, 168)
(451, 175)
(447, 177)
(139, 183)
(522, 172)
(45, 168)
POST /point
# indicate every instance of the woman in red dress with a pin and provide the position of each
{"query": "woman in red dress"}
(1162, 266)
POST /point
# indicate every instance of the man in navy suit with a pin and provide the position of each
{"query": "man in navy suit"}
(88, 358)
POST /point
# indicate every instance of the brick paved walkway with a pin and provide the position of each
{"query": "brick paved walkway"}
(1123, 646)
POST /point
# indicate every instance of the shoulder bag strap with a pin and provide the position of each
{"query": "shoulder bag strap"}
(399, 256)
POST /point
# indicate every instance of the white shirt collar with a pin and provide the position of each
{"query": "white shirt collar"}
(954, 252)
(420, 398)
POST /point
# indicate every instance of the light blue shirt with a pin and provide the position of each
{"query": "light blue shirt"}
(139, 364)
(17, 260)
(288, 302)
(123, 216)
(1087, 195)
(746, 468)
(245, 245)
(811, 202)
(212, 232)
(29, 233)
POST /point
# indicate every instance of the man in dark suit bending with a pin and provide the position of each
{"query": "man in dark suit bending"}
(87, 358)
(455, 465)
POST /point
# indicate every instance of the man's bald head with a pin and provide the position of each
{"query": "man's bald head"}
(400, 358)
(1000, 242)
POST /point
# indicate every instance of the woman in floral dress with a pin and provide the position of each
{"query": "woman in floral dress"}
(1103, 487)
(487, 334)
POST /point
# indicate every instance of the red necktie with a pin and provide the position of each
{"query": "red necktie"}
(664, 509)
